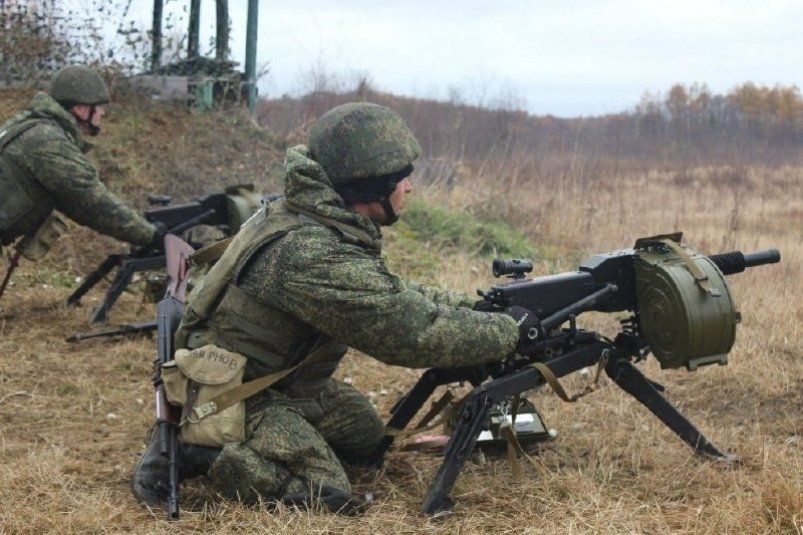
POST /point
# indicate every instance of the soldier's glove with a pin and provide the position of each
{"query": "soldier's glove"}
(484, 305)
(531, 332)
(158, 240)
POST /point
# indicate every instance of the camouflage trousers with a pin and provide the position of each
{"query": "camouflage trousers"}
(290, 440)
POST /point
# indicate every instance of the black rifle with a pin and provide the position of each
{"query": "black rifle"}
(606, 283)
(169, 313)
(128, 328)
(213, 210)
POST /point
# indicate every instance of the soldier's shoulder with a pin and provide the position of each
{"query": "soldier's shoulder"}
(310, 239)
(46, 131)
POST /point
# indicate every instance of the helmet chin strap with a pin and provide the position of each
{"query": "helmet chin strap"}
(390, 215)
(92, 130)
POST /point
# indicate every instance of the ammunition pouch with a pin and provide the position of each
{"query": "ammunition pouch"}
(36, 245)
(686, 311)
(196, 376)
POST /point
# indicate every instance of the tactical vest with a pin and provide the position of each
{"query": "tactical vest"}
(19, 212)
(219, 312)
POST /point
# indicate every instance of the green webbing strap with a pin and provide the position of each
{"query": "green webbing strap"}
(228, 398)
(553, 382)
(436, 408)
(699, 276)
(9, 134)
(210, 253)
(447, 414)
(342, 227)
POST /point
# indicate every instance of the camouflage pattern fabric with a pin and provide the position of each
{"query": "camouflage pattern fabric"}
(294, 438)
(53, 170)
(326, 279)
(361, 140)
(339, 286)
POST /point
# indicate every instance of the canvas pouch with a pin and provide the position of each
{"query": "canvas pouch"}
(196, 376)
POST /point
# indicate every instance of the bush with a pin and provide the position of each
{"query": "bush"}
(453, 230)
(428, 239)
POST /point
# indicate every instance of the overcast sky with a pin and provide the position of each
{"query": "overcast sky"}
(566, 58)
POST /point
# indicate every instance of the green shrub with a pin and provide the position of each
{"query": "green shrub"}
(426, 236)
(460, 230)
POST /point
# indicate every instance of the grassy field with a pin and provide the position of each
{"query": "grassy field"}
(73, 416)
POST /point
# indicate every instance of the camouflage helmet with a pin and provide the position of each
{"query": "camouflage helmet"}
(360, 140)
(77, 84)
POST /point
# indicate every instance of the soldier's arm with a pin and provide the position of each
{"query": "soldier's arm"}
(349, 294)
(442, 296)
(73, 181)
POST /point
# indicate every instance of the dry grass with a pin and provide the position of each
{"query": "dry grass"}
(73, 416)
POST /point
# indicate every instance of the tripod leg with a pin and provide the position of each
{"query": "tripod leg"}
(632, 381)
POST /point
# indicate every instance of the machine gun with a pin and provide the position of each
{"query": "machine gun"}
(680, 309)
(225, 211)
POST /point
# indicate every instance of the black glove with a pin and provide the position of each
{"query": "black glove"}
(531, 333)
(157, 242)
(484, 305)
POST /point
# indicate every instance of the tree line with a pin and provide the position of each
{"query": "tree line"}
(687, 123)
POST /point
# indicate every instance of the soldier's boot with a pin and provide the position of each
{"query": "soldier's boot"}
(150, 481)
(195, 460)
(334, 499)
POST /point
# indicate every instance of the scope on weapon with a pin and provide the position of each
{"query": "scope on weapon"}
(515, 267)
(159, 200)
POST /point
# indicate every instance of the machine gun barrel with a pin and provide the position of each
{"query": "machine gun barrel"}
(737, 262)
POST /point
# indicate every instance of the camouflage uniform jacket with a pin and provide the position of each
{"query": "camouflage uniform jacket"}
(310, 270)
(52, 171)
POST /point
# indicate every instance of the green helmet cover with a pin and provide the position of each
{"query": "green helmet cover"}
(360, 140)
(77, 84)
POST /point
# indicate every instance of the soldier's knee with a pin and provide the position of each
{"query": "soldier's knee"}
(240, 473)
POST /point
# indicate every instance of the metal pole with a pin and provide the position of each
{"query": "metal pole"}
(222, 34)
(251, 54)
(193, 35)
(156, 34)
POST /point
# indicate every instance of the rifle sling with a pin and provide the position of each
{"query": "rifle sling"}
(228, 398)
